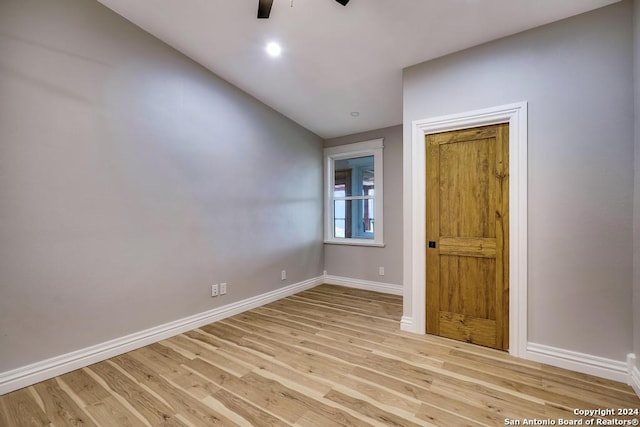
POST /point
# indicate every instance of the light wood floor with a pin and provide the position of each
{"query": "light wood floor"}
(327, 356)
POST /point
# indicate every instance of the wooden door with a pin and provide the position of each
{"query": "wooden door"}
(468, 235)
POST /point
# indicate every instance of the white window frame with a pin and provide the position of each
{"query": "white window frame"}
(373, 148)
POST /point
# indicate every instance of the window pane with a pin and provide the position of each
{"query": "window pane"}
(354, 177)
(368, 220)
(342, 183)
(354, 219)
(342, 218)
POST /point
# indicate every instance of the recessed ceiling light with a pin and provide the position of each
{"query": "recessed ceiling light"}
(274, 49)
(355, 114)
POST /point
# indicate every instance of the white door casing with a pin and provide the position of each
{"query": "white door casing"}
(415, 219)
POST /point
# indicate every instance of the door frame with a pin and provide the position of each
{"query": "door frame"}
(415, 215)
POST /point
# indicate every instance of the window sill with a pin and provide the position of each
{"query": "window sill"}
(354, 242)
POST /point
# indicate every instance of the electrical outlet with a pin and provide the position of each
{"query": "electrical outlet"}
(214, 290)
(223, 288)
(284, 275)
(381, 271)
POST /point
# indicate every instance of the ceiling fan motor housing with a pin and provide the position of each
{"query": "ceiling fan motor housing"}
(264, 7)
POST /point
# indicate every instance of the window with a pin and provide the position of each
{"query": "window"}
(353, 194)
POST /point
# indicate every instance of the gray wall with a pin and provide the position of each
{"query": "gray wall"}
(362, 262)
(576, 75)
(636, 230)
(131, 179)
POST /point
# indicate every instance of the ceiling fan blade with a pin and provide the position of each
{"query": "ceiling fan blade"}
(264, 8)
(343, 2)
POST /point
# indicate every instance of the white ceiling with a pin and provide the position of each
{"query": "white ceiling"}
(335, 59)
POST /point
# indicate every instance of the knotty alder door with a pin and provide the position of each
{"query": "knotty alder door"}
(468, 235)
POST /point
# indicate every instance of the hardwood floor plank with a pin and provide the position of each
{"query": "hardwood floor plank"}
(228, 362)
(439, 417)
(370, 308)
(181, 402)
(273, 322)
(99, 403)
(361, 294)
(483, 413)
(152, 409)
(85, 387)
(347, 314)
(251, 413)
(175, 373)
(327, 313)
(328, 356)
(298, 315)
(277, 367)
(376, 392)
(236, 336)
(256, 323)
(270, 398)
(113, 414)
(313, 419)
(20, 409)
(222, 358)
(503, 403)
(320, 366)
(521, 388)
(368, 410)
(59, 406)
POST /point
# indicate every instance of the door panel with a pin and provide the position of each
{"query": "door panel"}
(468, 227)
(464, 187)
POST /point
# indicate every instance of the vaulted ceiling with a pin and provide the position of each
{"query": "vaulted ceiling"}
(335, 60)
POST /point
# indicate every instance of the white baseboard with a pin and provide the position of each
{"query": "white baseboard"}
(406, 324)
(46, 369)
(634, 373)
(385, 288)
(635, 380)
(579, 362)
